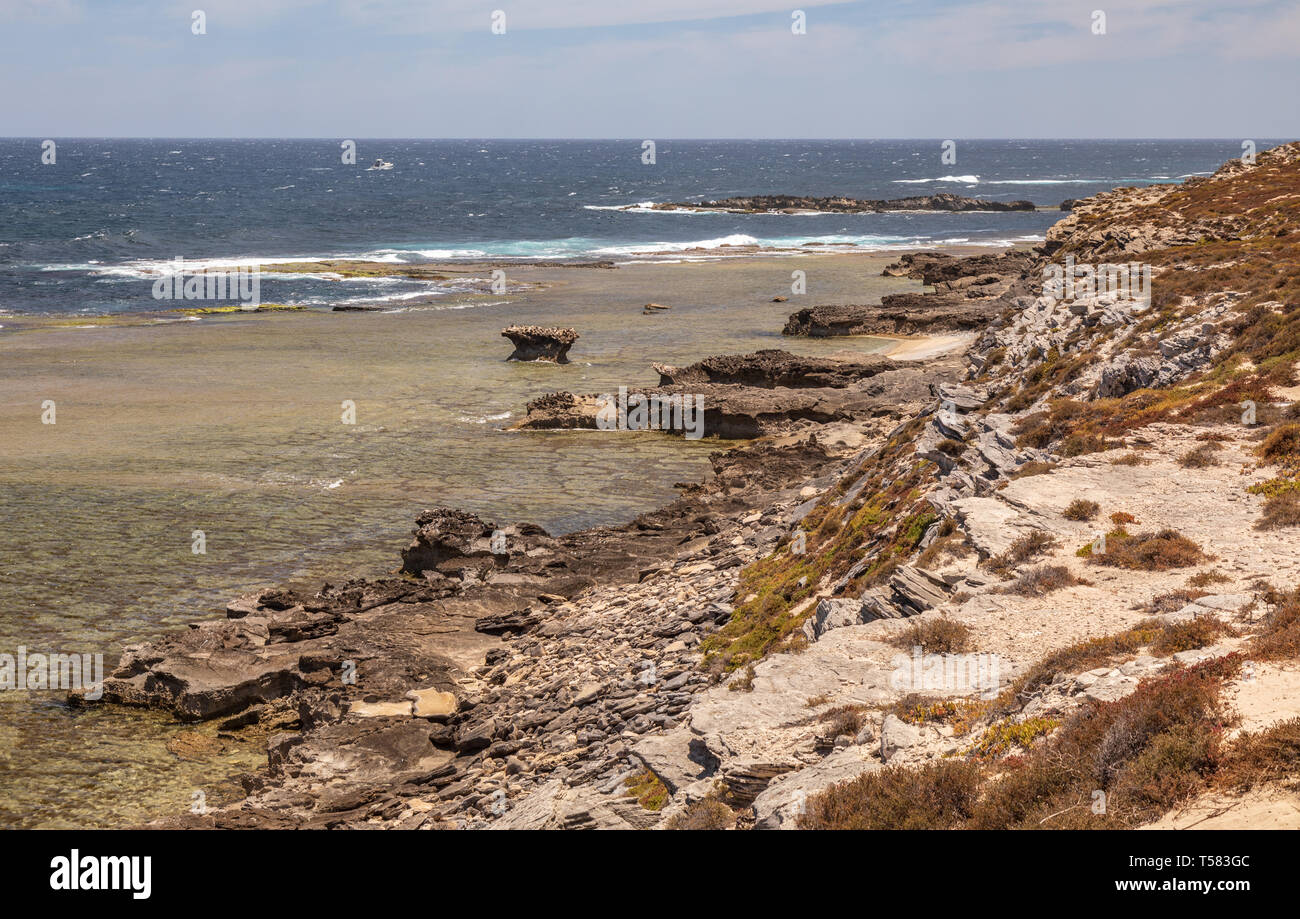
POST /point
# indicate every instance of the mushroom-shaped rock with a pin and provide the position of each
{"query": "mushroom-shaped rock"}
(533, 343)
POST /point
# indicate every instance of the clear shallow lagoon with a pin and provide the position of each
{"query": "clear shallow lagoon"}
(232, 425)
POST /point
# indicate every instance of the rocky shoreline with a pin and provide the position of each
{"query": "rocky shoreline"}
(732, 660)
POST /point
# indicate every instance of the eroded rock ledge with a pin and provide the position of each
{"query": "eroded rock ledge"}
(969, 293)
(766, 393)
(533, 343)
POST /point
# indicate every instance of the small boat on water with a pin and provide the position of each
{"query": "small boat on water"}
(381, 164)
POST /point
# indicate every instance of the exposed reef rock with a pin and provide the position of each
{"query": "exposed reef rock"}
(533, 343)
(772, 368)
(968, 294)
(751, 395)
(760, 204)
(906, 314)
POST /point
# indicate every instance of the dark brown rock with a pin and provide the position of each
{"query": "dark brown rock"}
(943, 201)
(533, 343)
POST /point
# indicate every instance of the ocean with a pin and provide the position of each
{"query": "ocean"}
(89, 233)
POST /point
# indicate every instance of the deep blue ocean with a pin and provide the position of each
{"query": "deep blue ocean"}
(89, 233)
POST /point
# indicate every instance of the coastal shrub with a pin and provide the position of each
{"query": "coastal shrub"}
(1042, 580)
(1147, 752)
(861, 542)
(1086, 550)
(1004, 736)
(1282, 446)
(1031, 545)
(844, 719)
(950, 546)
(1120, 518)
(1042, 428)
(704, 814)
(1206, 578)
(1033, 467)
(1081, 443)
(744, 682)
(1130, 459)
(915, 708)
(1085, 655)
(1173, 766)
(1278, 636)
(1281, 510)
(1158, 551)
(1275, 486)
(937, 636)
(1272, 755)
(951, 447)
(1191, 635)
(649, 792)
(1200, 457)
(937, 796)
(1172, 601)
(1081, 509)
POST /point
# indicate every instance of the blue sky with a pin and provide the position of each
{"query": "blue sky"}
(650, 68)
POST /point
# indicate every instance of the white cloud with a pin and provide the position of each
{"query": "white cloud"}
(36, 11)
(470, 15)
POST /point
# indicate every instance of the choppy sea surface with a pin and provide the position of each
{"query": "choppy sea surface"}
(86, 233)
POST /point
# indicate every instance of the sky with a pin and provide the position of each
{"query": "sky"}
(650, 68)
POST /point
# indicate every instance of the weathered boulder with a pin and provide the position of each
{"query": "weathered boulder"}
(533, 343)
(1125, 374)
(833, 614)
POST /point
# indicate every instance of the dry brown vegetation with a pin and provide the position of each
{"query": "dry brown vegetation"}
(1278, 637)
(938, 635)
(1200, 457)
(1144, 753)
(1173, 600)
(844, 719)
(1281, 510)
(1031, 545)
(1282, 446)
(1206, 578)
(1130, 459)
(1081, 509)
(1255, 759)
(1042, 580)
(1192, 635)
(704, 814)
(1158, 551)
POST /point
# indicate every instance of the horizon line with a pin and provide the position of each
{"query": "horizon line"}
(606, 138)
